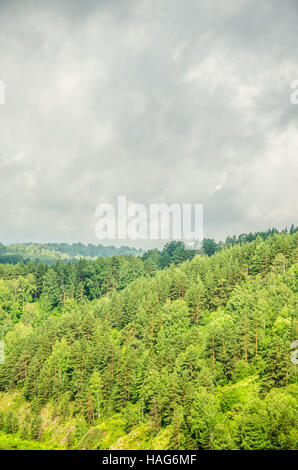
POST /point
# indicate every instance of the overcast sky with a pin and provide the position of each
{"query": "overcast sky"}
(159, 100)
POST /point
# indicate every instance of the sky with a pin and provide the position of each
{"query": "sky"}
(160, 101)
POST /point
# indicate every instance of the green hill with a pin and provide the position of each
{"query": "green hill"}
(118, 353)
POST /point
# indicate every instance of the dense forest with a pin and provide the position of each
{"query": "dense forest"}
(172, 349)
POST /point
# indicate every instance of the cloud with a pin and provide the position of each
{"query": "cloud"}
(160, 101)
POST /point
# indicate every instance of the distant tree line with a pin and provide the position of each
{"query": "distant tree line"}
(197, 352)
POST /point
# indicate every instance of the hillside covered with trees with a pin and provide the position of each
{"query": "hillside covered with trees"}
(49, 253)
(168, 350)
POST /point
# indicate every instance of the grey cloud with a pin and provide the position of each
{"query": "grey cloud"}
(162, 101)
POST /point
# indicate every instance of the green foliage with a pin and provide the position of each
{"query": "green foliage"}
(173, 350)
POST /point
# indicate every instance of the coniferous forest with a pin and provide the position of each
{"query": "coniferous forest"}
(171, 349)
